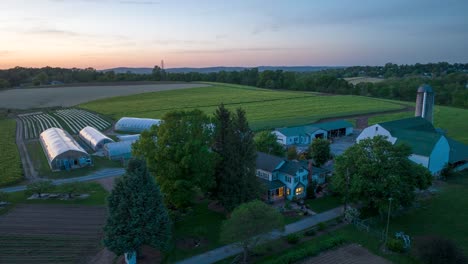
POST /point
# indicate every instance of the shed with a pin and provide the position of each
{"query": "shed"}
(62, 151)
(128, 137)
(135, 125)
(94, 138)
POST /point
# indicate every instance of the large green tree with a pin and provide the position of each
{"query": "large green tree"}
(235, 174)
(249, 224)
(374, 170)
(137, 215)
(319, 151)
(266, 142)
(179, 155)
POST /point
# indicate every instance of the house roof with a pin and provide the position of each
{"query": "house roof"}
(416, 132)
(309, 129)
(271, 185)
(291, 167)
(458, 151)
(267, 162)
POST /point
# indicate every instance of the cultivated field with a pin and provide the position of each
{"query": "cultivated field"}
(10, 163)
(356, 80)
(72, 120)
(26, 98)
(265, 108)
(51, 233)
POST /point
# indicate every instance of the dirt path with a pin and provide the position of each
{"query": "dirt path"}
(28, 167)
(362, 119)
(349, 254)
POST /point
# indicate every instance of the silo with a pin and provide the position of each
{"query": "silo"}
(425, 102)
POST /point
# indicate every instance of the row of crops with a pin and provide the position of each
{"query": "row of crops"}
(72, 120)
(35, 123)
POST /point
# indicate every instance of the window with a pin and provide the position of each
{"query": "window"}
(280, 192)
(376, 128)
(288, 191)
(288, 179)
(296, 179)
(299, 190)
(304, 178)
(275, 177)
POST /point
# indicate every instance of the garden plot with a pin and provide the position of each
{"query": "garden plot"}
(35, 123)
(51, 233)
(77, 119)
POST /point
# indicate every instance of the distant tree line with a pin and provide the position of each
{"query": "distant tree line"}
(399, 81)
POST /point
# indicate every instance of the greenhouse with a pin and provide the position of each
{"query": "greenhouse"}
(94, 138)
(135, 125)
(62, 151)
(119, 150)
(129, 137)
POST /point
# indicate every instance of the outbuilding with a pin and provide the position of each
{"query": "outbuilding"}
(119, 150)
(135, 125)
(62, 151)
(94, 138)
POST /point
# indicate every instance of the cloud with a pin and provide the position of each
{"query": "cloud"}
(181, 42)
(136, 2)
(231, 50)
(56, 32)
(5, 52)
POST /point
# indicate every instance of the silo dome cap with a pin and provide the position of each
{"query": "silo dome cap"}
(425, 88)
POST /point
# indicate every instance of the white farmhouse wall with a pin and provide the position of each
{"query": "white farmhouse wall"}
(280, 137)
(375, 130)
(439, 156)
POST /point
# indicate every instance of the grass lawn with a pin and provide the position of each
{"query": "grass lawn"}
(98, 196)
(323, 204)
(265, 108)
(199, 223)
(11, 171)
(42, 166)
(451, 119)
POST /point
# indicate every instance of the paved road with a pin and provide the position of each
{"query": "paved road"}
(233, 249)
(105, 173)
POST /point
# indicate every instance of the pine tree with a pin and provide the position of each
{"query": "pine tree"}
(236, 180)
(223, 133)
(137, 215)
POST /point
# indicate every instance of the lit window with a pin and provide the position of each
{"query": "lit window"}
(288, 191)
(299, 190)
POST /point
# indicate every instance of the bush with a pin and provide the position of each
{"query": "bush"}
(3, 196)
(293, 238)
(322, 226)
(310, 232)
(437, 250)
(396, 245)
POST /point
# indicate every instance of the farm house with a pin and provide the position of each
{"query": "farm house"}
(62, 151)
(119, 150)
(94, 138)
(304, 135)
(135, 125)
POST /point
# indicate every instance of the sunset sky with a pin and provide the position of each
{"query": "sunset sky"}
(199, 33)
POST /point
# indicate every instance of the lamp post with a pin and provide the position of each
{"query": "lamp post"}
(388, 219)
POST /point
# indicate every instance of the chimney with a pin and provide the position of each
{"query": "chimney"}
(309, 176)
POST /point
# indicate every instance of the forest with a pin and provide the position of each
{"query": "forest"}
(399, 82)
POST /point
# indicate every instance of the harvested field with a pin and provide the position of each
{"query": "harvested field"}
(350, 254)
(26, 98)
(51, 233)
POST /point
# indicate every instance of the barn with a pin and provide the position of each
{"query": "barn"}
(119, 150)
(135, 125)
(304, 135)
(94, 138)
(62, 151)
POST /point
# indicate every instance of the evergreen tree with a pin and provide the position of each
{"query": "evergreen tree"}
(236, 180)
(137, 215)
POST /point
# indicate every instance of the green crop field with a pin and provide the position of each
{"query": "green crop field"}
(453, 120)
(265, 108)
(10, 163)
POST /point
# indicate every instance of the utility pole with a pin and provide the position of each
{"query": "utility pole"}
(388, 220)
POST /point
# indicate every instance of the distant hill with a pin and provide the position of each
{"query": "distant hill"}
(221, 68)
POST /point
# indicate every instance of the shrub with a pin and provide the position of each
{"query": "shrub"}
(396, 245)
(310, 232)
(322, 226)
(293, 238)
(3, 196)
(437, 250)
